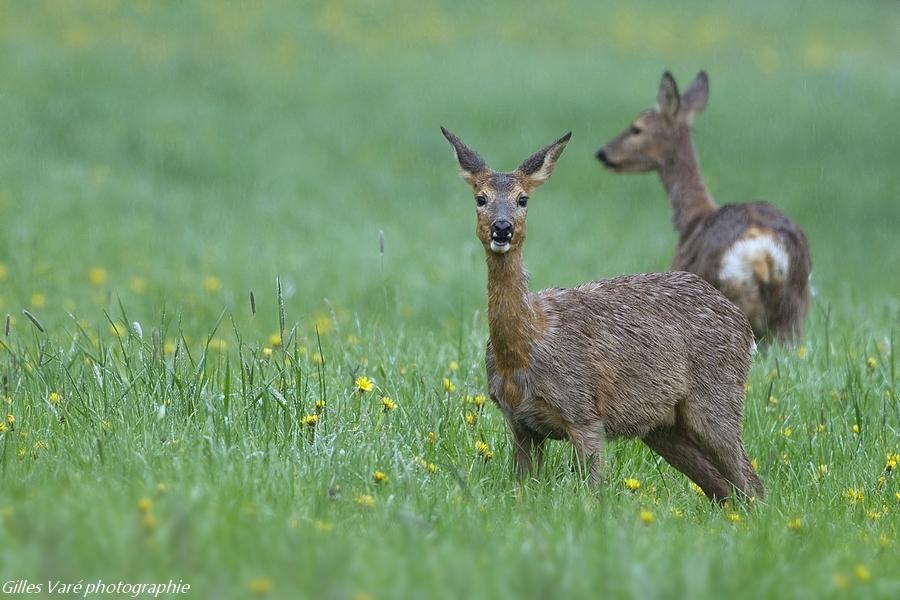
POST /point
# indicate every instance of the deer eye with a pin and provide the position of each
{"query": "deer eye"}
(635, 130)
(523, 201)
(480, 200)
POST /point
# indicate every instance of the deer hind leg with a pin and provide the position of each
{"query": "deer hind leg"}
(676, 445)
(725, 448)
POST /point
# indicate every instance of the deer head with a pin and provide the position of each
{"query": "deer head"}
(501, 199)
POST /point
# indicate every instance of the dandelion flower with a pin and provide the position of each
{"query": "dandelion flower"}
(10, 419)
(212, 283)
(801, 352)
(795, 524)
(323, 526)
(647, 517)
(484, 450)
(677, 512)
(2, 427)
(388, 404)
(632, 485)
(431, 437)
(310, 420)
(145, 505)
(379, 477)
(54, 398)
(317, 358)
(787, 432)
(453, 366)
(169, 346)
(856, 428)
(854, 495)
(260, 585)
(267, 352)
(471, 418)
(862, 572)
(871, 363)
(449, 386)
(320, 406)
(733, 517)
(138, 285)
(755, 464)
(823, 470)
(364, 384)
(97, 276)
(893, 459)
(696, 488)
(38, 300)
(352, 340)
(478, 401)
(218, 345)
(365, 500)
(773, 401)
(275, 340)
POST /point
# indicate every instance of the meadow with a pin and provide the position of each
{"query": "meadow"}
(162, 161)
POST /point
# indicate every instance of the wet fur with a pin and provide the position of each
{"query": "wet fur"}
(663, 357)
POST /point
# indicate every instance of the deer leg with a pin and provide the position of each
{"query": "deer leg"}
(726, 451)
(529, 451)
(588, 444)
(676, 446)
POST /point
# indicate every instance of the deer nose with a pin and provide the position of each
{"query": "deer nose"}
(501, 230)
(601, 156)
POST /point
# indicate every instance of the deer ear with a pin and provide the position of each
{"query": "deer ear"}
(693, 101)
(470, 164)
(539, 166)
(667, 98)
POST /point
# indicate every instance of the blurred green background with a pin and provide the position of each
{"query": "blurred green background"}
(173, 142)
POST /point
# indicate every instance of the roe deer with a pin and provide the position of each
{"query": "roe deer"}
(753, 253)
(662, 357)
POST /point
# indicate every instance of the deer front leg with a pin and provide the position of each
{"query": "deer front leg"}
(588, 443)
(529, 451)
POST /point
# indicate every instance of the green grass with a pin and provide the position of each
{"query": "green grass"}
(191, 153)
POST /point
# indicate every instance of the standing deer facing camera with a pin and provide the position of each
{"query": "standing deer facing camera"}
(753, 253)
(662, 357)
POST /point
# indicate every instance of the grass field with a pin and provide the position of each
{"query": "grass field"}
(161, 160)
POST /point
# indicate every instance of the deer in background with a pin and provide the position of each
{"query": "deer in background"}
(751, 252)
(662, 357)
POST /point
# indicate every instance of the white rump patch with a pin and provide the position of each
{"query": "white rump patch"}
(753, 260)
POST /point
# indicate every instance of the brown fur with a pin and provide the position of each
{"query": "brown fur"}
(660, 139)
(663, 357)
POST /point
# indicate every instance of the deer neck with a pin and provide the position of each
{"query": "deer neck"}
(512, 316)
(683, 181)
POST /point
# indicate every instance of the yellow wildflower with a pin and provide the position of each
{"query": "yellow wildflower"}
(773, 401)
(897, 496)
(317, 358)
(801, 352)
(21, 453)
(471, 418)
(632, 485)
(478, 400)
(379, 477)
(352, 340)
(323, 526)
(97, 276)
(38, 300)
(320, 405)
(823, 470)
(10, 419)
(267, 352)
(364, 384)
(893, 459)
(365, 500)
(260, 585)
(212, 283)
(118, 329)
(388, 404)
(138, 285)
(54, 398)
(310, 420)
(275, 340)
(149, 521)
(218, 345)
(169, 346)
(733, 517)
(449, 386)
(454, 366)
(145, 505)
(862, 572)
(696, 488)
(646, 517)
(787, 432)
(2, 427)
(854, 495)
(432, 437)
(856, 428)
(484, 450)
(871, 363)
(677, 512)
(795, 524)
(755, 464)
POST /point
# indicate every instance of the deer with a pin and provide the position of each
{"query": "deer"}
(662, 356)
(751, 252)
